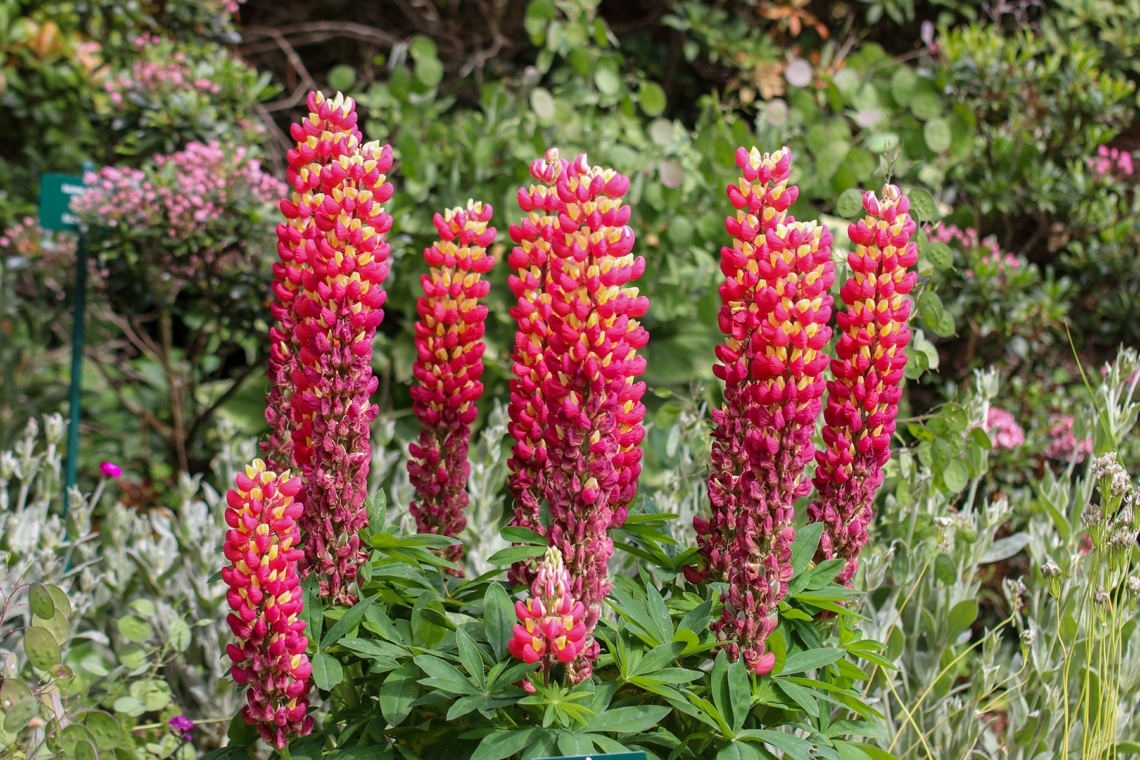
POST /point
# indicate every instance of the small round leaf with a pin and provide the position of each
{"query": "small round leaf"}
(59, 598)
(606, 77)
(937, 135)
(42, 648)
(850, 204)
(652, 99)
(542, 103)
(129, 706)
(144, 607)
(39, 599)
(902, 85)
(105, 729)
(940, 255)
(134, 629)
(956, 477)
(922, 204)
(342, 78)
(19, 714)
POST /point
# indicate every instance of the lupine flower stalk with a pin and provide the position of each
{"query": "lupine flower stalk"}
(449, 363)
(593, 400)
(326, 134)
(530, 265)
(263, 549)
(870, 355)
(775, 314)
(550, 626)
(336, 308)
(761, 198)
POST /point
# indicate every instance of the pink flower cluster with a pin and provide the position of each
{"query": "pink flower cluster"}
(1111, 162)
(449, 363)
(161, 71)
(187, 197)
(550, 623)
(967, 239)
(334, 260)
(1063, 445)
(582, 360)
(870, 355)
(262, 547)
(774, 314)
(1004, 431)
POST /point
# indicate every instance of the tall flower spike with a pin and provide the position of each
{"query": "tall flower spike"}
(761, 198)
(592, 398)
(337, 310)
(530, 266)
(327, 133)
(262, 547)
(862, 400)
(449, 363)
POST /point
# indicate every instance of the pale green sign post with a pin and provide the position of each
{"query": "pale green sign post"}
(56, 192)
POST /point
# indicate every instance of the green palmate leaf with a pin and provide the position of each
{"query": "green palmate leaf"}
(470, 657)
(657, 658)
(513, 554)
(347, 622)
(313, 613)
(812, 659)
(443, 675)
(502, 744)
(659, 614)
(740, 695)
(791, 746)
(400, 690)
(327, 671)
(629, 720)
(518, 535)
(805, 545)
(373, 648)
(498, 618)
(738, 751)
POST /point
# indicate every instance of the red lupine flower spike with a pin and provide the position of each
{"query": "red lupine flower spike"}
(263, 549)
(322, 139)
(761, 198)
(337, 297)
(870, 355)
(530, 266)
(593, 401)
(449, 347)
(550, 626)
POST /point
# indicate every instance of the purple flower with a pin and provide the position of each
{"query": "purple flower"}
(111, 470)
(182, 727)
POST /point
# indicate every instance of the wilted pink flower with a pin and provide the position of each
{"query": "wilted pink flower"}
(262, 547)
(111, 470)
(1004, 430)
(870, 356)
(449, 363)
(550, 626)
(1063, 444)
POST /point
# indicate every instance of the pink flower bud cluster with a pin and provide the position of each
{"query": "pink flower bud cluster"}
(530, 266)
(1063, 445)
(863, 398)
(1004, 431)
(775, 311)
(550, 623)
(161, 71)
(593, 410)
(1112, 162)
(967, 239)
(334, 262)
(183, 197)
(262, 548)
(449, 363)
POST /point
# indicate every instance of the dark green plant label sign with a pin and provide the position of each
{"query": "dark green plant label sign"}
(56, 192)
(613, 756)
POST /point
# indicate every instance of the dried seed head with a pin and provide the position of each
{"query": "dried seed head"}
(1028, 636)
(1092, 515)
(944, 522)
(1101, 598)
(1050, 569)
(1134, 586)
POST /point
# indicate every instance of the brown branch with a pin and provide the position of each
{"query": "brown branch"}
(316, 31)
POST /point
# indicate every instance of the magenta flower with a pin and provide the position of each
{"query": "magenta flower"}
(1063, 445)
(863, 398)
(530, 266)
(550, 626)
(775, 315)
(263, 549)
(1004, 431)
(449, 363)
(331, 294)
(182, 727)
(111, 470)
